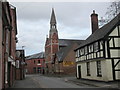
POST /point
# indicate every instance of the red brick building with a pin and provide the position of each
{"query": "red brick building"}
(8, 31)
(59, 53)
(35, 63)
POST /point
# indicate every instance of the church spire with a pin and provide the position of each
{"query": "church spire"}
(53, 19)
(53, 26)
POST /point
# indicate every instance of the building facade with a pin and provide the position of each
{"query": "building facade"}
(59, 55)
(8, 29)
(35, 63)
(1, 45)
(98, 58)
(20, 64)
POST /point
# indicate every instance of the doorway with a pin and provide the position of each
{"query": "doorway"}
(79, 72)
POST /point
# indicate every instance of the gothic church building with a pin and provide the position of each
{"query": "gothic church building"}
(59, 53)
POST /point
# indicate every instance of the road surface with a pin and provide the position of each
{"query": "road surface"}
(40, 81)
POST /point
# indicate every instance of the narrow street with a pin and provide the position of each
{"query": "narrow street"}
(40, 81)
(28, 82)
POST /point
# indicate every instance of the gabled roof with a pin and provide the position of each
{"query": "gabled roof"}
(68, 44)
(36, 56)
(101, 32)
(61, 54)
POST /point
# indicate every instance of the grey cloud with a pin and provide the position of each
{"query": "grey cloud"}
(73, 22)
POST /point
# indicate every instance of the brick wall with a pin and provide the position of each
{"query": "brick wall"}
(34, 63)
(70, 57)
(0, 45)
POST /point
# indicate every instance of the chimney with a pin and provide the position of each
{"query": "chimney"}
(94, 21)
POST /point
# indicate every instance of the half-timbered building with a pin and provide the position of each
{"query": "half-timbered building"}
(98, 57)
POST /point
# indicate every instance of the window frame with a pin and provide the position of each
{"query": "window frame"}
(99, 70)
(96, 46)
(88, 68)
(39, 62)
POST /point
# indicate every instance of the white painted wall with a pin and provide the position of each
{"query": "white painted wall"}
(105, 67)
(114, 52)
(0, 45)
(106, 64)
(114, 32)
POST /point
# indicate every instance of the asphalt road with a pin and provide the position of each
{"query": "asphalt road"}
(40, 81)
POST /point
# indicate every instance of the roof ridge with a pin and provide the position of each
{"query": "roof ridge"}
(34, 54)
(71, 39)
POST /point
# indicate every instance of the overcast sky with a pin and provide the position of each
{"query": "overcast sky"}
(73, 21)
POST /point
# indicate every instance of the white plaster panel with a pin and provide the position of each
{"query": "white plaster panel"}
(114, 52)
(114, 32)
(117, 75)
(118, 66)
(106, 68)
(117, 40)
(111, 43)
(109, 69)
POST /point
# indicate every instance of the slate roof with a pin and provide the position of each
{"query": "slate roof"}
(68, 43)
(101, 32)
(36, 56)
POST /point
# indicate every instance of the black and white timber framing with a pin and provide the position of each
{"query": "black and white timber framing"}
(102, 45)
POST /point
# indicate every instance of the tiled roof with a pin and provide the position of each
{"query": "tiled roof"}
(68, 43)
(36, 56)
(101, 32)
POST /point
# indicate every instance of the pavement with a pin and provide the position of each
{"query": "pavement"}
(96, 84)
(26, 83)
(99, 84)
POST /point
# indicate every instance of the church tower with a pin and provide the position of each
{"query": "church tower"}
(53, 36)
(51, 45)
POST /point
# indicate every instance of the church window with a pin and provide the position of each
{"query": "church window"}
(53, 26)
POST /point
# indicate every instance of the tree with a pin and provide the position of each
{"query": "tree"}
(112, 11)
